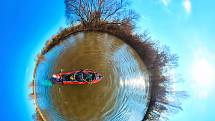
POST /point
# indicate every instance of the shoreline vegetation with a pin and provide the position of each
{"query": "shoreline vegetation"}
(158, 60)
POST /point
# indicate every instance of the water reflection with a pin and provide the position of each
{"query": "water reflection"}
(121, 95)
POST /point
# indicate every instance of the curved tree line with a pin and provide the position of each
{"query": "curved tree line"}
(115, 17)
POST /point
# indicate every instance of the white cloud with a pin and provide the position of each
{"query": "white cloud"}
(165, 2)
(187, 6)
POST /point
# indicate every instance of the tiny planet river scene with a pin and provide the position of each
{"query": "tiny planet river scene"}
(107, 60)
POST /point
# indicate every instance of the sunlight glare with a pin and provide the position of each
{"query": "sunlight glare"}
(203, 75)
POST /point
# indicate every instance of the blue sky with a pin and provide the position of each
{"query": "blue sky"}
(24, 27)
(186, 26)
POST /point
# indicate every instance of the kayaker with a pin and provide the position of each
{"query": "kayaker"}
(89, 77)
(79, 76)
(72, 77)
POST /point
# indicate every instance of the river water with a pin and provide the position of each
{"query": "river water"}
(122, 95)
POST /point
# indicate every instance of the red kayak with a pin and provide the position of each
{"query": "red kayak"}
(77, 77)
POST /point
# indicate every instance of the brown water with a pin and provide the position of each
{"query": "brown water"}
(120, 96)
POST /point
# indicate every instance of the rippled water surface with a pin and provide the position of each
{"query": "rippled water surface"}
(122, 94)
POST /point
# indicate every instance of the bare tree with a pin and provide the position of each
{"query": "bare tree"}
(96, 12)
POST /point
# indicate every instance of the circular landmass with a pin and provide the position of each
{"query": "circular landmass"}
(121, 95)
